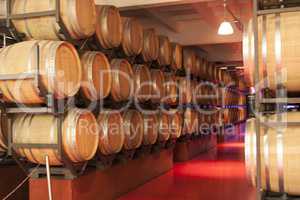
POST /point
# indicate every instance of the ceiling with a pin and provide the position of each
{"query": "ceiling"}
(192, 23)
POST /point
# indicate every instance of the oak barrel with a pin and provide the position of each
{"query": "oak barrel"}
(151, 45)
(200, 71)
(189, 58)
(151, 127)
(171, 89)
(122, 88)
(280, 156)
(133, 129)
(164, 129)
(79, 136)
(185, 93)
(142, 83)
(108, 27)
(190, 125)
(133, 36)
(176, 59)
(79, 18)
(288, 43)
(111, 135)
(158, 89)
(164, 55)
(59, 71)
(175, 124)
(96, 75)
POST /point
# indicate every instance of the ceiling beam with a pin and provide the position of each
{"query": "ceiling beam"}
(135, 4)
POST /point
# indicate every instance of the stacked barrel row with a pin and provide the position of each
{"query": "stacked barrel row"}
(95, 75)
(83, 135)
(278, 50)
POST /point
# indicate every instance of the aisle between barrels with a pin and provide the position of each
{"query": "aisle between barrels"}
(217, 175)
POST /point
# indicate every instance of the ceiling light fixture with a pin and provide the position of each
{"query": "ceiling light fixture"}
(225, 27)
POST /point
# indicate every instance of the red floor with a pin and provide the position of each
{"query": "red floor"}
(218, 175)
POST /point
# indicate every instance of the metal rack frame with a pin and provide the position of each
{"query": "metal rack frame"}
(258, 101)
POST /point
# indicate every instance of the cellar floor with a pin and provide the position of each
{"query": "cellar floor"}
(217, 175)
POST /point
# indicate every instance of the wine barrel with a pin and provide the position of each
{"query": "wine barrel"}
(164, 129)
(151, 45)
(151, 127)
(242, 114)
(189, 58)
(79, 136)
(165, 50)
(204, 69)
(133, 129)
(176, 59)
(199, 68)
(171, 92)
(226, 116)
(190, 121)
(108, 27)
(250, 151)
(279, 155)
(143, 83)
(185, 93)
(290, 50)
(248, 53)
(158, 81)
(175, 125)
(59, 71)
(132, 42)
(122, 88)
(194, 88)
(111, 135)
(79, 18)
(96, 75)
(209, 69)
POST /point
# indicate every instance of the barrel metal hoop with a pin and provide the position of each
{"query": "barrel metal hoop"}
(280, 145)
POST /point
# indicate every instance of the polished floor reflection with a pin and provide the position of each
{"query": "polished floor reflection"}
(217, 175)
